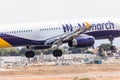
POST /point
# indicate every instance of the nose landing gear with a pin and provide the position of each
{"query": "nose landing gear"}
(112, 47)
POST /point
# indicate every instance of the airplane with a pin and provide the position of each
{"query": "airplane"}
(43, 35)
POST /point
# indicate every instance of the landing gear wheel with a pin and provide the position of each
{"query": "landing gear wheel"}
(57, 53)
(112, 48)
(30, 54)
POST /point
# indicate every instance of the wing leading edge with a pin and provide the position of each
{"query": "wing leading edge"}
(66, 37)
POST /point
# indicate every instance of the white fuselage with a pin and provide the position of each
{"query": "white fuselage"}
(37, 33)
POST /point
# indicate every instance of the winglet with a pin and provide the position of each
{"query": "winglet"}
(88, 25)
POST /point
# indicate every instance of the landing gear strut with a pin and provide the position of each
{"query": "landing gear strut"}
(112, 48)
(57, 52)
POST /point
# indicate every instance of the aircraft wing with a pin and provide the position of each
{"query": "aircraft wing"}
(69, 36)
(77, 32)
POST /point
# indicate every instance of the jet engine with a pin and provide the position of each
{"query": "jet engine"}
(84, 41)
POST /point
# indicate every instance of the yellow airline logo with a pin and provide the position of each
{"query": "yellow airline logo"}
(88, 25)
(4, 43)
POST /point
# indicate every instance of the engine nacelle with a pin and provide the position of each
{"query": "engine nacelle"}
(86, 41)
(39, 47)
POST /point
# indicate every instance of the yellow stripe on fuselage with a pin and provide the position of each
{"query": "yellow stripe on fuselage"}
(4, 44)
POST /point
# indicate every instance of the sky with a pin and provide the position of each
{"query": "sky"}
(21, 11)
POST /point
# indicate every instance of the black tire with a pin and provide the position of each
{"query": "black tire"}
(30, 54)
(112, 48)
(57, 53)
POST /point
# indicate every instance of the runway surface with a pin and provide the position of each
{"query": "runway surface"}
(92, 75)
(76, 72)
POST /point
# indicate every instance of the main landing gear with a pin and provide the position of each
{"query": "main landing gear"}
(30, 54)
(57, 53)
